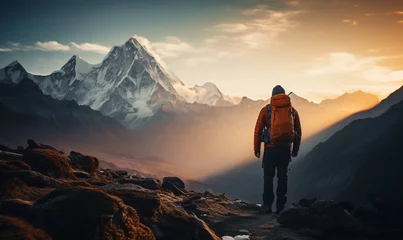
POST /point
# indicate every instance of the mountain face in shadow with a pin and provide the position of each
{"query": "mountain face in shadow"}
(377, 110)
(246, 181)
(361, 159)
(26, 112)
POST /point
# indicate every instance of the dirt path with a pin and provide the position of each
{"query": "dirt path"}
(259, 227)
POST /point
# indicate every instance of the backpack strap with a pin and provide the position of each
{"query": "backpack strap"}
(292, 111)
(268, 116)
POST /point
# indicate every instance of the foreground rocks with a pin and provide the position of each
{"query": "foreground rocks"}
(48, 195)
(45, 194)
(330, 220)
(87, 213)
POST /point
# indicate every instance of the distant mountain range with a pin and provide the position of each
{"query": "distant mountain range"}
(199, 128)
(128, 85)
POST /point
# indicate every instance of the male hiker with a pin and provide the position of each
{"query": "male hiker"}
(278, 127)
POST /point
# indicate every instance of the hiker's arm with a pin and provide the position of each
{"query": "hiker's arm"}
(258, 129)
(298, 130)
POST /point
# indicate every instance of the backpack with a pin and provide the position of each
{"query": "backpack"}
(281, 115)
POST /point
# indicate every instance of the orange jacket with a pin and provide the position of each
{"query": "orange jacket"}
(262, 122)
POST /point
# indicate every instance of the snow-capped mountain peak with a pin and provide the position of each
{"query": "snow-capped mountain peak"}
(13, 73)
(130, 84)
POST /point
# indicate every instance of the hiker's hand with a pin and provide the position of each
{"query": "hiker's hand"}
(257, 154)
(294, 153)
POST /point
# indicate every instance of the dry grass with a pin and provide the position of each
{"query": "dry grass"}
(16, 229)
(48, 162)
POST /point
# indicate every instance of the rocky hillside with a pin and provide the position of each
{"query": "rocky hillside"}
(363, 158)
(46, 194)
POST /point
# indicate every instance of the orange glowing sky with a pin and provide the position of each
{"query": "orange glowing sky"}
(316, 48)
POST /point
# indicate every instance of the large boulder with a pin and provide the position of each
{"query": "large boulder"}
(26, 185)
(13, 165)
(146, 202)
(49, 162)
(149, 183)
(174, 184)
(33, 145)
(12, 228)
(175, 181)
(176, 223)
(88, 213)
(164, 217)
(325, 216)
(16, 208)
(19, 150)
(82, 162)
(10, 155)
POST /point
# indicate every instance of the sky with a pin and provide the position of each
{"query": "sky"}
(314, 48)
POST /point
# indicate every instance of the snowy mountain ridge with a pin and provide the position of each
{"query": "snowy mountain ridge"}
(129, 84)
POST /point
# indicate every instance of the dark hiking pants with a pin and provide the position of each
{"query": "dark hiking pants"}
(276, 158)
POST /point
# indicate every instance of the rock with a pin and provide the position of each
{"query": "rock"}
(10, 155)
(125, 186)
(88, 213)
(19, 150)
(121, 173)
(323, 215)
(173, 188)
(82, 162)
(26, 185)
(33, 145)
(80, 174)
(147, 203)
(12, 228)
(48, 162)
(31, 178)
(149, 183)
(295, 217)
(307, 202)
(175, 181)
(330, 215)
(19, 164)
(348, 206)
(176, 223)
(16, 208)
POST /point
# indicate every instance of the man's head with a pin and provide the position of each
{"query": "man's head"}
(277, 90)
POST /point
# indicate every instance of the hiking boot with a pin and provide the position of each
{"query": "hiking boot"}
(266, 209)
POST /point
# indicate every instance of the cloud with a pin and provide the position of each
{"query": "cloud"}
(367, 68)
(5, 50)
(293, 3)
(232, 28)
(150, 48)
(51, 46)
(400, 22)
(352, 22)
(399, 12)
(194, 61)
(56, 46)
(91, 47)
(261, 27)
(173, 47)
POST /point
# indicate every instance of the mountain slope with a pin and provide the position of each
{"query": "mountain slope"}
(48, 119)
(375, 111)
(349, 102)
(129, 85)
(247, 177)
(363, 158)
